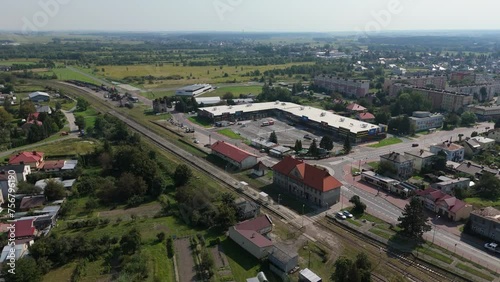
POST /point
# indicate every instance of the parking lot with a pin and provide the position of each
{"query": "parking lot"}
(287, 134)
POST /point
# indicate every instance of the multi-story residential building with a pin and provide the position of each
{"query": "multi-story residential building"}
(449, 185)
(486, 112)
(351, 87)
(306, 181)
(443, 204)
(440, 99)
(472, 90)
(478, 144)
(439, 82)
(402, 166)
(454, 152)
(421, 159)
(463, 76)
(486, 222)
(426, 120)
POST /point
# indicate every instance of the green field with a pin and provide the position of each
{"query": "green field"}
(68, 74)
(474, 271)
(229, 133)
(68, 147)
(90, 116)
(387, 142)
(236, 90)
(18, 62)
(188, 74)
(482, 203)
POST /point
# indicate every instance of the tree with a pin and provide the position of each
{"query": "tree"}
(130, 185)
(440, 161)
(182, 175)
(497, 123)
(359, 207)
(81, 104)
(27, 188)
(58, 106)
(160, 236)
(342, 267)
(313, 149)
(273, 138)
(228, 96)
(413, 221)
(474, 134)
(131, 241)
(488, 187)
(5, 117)
(80, 122)
(26, 108)
(347, 145)
(26, 270)
(326, 143)
(298, 146)
(54, 190)
(468, 118)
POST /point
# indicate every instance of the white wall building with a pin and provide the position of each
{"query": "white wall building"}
(193, 90)
(426, 120)
(453, 151)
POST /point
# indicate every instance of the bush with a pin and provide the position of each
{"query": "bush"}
(170, 247)
(135, 201)
(160, 236)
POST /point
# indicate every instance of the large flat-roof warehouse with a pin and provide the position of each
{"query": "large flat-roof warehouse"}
(193, 90)
(312, 117)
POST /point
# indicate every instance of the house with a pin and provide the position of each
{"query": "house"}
(402, 166)
(39, 97)
(421, 159)
(69, 165)
(486, 222)
(53, 166)
(33, 159)
(251, 235)
(262, 143)
(306, 181)
(44, 109)
(259, 169)
(443, 204)
(475, 170)
(68, 183)
(30, 202)
(449, 185)
(25, 228)
(306, 275)
(21, 170)
(280, 151)
(282, 260)
(235, 156)
(477, 145)
(246, 209)
(355, 108)
(366, 117)
(19, 251)
(454, 152)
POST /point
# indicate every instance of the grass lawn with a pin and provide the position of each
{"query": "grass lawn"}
(374, 165)
(68, 74)
(482, 203)
(355, 222)
(161, 268)
(381, 233)
(60, 274)
(386, 142)
(236, 90)
(68, 147)
(437, 255)
(200, 121)
(157, 94)
(229, 133)
(316, 258)
(473, 271)
(89, 115)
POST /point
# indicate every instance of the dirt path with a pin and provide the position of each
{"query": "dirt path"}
(187, 271)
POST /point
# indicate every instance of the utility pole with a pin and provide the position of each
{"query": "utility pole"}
(279, 200)
(303, 215)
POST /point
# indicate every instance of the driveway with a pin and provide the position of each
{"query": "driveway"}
(70, 117)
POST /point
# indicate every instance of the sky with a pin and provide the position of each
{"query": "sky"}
(249, 15)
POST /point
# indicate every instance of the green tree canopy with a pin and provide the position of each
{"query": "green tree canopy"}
(80, 122)
(273, 137)
(413, 221)
(298, 146)
(313, 149)
(347, 145)
(326, 143)
(488, 187)
(182, 175)
(81, 104)
(359, 207)
(468, 118)
(54, 190)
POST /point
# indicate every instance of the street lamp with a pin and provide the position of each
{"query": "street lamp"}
(303, 205)
(435, 228)
(279, 199)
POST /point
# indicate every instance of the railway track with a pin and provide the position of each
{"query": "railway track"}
(227, 181)
(408, 260)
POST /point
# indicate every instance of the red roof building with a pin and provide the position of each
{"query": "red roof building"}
(443, 204)
(314, 184)
(367, 117)
(235, 156)
(355, 108)
(251, 235)
(25, 228)
(33, 159)
(53, 165)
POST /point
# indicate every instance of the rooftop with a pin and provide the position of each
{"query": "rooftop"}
(395, 157)
(489, 212)
(230, 151)
(26, 157)
(193, 87)
(447, 146)
(306, 112)
(38, 93)
(420, 154)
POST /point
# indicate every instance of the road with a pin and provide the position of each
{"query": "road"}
(377, 205)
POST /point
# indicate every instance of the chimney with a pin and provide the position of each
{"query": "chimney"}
(34, 152)
(469, 164)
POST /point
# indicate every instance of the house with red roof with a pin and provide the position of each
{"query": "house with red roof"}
(356, 108)
(235, 156)
(31, 120)
(251, 235)
(25, 228)
(311, 183)
(53, 166)
(443, 204)
(33, 159)
(366, 117)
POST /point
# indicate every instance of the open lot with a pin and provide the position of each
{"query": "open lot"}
(185, 263)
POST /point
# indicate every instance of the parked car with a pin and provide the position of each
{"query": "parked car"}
(347, 214)
(64, 133)
(308, 137)
(196, 141)
(356, 173)
(414, 145)
(341, 215)
(492, 247)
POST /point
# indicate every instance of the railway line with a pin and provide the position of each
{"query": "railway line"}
(431, 271)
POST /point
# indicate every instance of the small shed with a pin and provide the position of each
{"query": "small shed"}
(279, 151)
(259, 169)
(306, 275)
